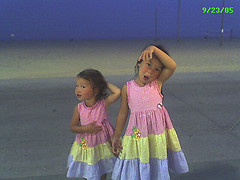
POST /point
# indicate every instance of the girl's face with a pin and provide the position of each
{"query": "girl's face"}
(84, 90)
(149, 71)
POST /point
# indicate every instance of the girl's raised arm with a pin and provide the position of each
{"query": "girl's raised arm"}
(114, 96)
(168, 63)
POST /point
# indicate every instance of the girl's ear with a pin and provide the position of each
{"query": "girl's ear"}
(139, 62)
(95, 91)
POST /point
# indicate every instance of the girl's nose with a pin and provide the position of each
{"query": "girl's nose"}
(150, 71)
(77, 89)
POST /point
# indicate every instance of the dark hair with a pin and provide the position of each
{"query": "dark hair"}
(97, 80)
(136, 68)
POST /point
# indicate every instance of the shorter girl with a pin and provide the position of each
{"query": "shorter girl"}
(91, 156)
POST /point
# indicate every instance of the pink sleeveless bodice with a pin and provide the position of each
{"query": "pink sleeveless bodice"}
(147, 110)
(99, 114)
(144, 98)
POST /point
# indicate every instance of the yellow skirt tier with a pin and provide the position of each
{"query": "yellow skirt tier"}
(91, 155)
(152, 146)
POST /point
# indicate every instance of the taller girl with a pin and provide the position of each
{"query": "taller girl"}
(150, 146)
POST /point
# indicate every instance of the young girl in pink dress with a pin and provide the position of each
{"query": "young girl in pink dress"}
(150, 146)
(91, 155)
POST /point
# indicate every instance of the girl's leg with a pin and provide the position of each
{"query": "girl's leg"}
(104, 177)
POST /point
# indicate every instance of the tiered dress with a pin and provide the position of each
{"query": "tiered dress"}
(91, 154)
(150, 145)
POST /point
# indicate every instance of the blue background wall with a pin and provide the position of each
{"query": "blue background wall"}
(111, 19)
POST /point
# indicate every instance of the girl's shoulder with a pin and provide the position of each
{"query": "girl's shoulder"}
(159, 85)
(130, 83)
(83, 107)
(101, 103)
(124, 89)
(80, 105)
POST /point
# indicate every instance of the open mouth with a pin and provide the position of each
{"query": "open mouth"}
(145, 78)
(79, 96)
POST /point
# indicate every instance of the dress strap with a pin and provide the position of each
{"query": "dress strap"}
(155, 83)
(79, 108)
(103, 103)
(128, 89)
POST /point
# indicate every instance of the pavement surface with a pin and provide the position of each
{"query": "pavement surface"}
(35, 113)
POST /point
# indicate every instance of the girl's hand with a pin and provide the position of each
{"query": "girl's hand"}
(116, 145)
(146, 55)
(92, 128)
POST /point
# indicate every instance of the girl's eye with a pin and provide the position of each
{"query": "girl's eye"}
(78, 86)
(149, 64)
(158, 70)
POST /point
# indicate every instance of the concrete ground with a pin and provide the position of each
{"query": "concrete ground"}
(36, 108)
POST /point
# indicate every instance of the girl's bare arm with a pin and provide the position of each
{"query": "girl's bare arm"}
(123, 113)
(121, 121)
(114, 96)
(169, 65)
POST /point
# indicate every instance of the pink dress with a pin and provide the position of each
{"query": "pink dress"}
(91, 154)
(150, 145)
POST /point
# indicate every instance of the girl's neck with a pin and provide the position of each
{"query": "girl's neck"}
(91, 102)
(139, 82)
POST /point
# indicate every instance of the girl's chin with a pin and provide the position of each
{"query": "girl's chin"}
(80, 98)
(146, 80)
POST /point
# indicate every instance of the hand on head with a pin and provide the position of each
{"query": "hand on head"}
(147, 54)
